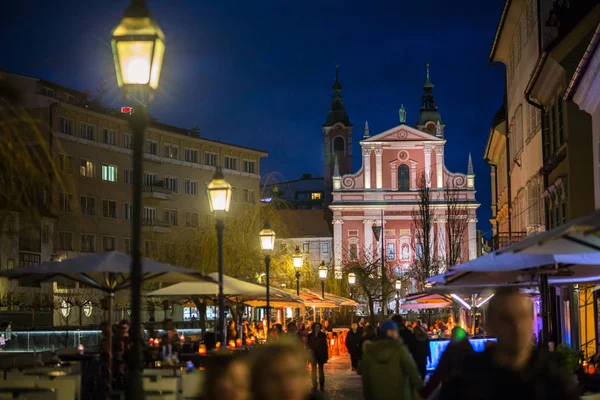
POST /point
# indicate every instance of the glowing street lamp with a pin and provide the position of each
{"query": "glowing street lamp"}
(398, 288)
(298, 260)
(267, 243)
(351, 278)
(322, 276)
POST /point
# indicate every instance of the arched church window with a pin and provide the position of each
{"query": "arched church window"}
(338, 148)
(403, 178)
(405, 253)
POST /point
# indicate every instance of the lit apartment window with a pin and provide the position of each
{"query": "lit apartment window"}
(250, 166)
(315, 196)
(128, 141)
(110, 137)
(109, 209)
(171, 151)
(172, 217)
(64, 201)
(324, 247)
(65, 241)
(109, 243)
(86, 168)
(150, 179)
(191, 187)
(150, 247)
(65, 125)
(87, 132)
(151, 147)
(191, 219)
(210, 159)
(66, 164)
(149, 213)
(127, 211)
(231, 163)
(48, 92)
(128, 176)
(172, 184)
(127, 246)
(109, 173)
(191, 155)
(88, 244)
(88, 205)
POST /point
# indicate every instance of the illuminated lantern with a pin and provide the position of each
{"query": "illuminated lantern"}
(238, 343)
(253, 340)
(332, 342)
(232, 344)
(248, 342)
(202, 349)
(218, 345)
(182, 338)
(219, 193)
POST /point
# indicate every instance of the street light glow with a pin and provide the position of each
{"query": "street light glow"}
(297, 258)
(219, 193)
(351, 278)
(322, 271)
(398, 284)
(267, 239)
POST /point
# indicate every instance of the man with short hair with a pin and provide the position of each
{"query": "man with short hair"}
(388, 370)
(512, 368)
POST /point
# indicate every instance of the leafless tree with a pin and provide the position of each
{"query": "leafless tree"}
(457, 222)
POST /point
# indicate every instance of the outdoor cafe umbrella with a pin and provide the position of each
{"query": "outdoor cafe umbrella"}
(107, 272)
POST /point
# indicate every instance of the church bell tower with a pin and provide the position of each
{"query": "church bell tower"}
(337, 132)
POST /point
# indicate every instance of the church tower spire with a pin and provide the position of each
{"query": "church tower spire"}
(429, 115)
(337, 112)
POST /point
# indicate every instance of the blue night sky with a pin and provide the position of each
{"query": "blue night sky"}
(259, 73)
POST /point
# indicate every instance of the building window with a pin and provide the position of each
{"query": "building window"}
(419, 250)
(65, 241)
(191, 155)
(128, 176)
(127, 211)
(561, 127)
(172, 184)
(65, 125)
(68, 98)
(110, 137)
(87, 132)
(235, 193)
(405, 252)
(48, 92)
(172, 217)
(45, 233)
(127, 246)
(149, 214)
(231, 163)
(150, 179)
(403, 178)
(324, 247)
(88, 243)
(533, 203)
(306, 248)
(353, 251)
(150, 247)
(171, 151)
(86, 168)
(109, 243)
(152, 147)
(250, 166)
(109, 173)
(109, 209)
(88, 205)
(64, 201)
(210, 159)
(190, 187)
(10, 263)
(391, 251)
(315, 196)
(66, 164)
(128, 141)
(191, 219)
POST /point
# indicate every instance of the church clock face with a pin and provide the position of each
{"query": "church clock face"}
(431, 129)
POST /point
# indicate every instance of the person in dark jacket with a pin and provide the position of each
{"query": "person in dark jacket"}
(512, 368)
(353, 342)
(317, 343)
(421, 350)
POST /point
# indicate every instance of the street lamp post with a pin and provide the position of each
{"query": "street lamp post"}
(398, 288)
(138, 47)
(298, 261)
(267, 243)
(351, 282)
(379, 233)
(323, 276)
(219, 198)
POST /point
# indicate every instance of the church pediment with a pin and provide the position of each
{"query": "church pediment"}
(402, 133)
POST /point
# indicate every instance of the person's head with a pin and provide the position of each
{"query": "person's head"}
(124, 327)
(398, 319)
(316, 328)
(370, 332)
(227, 377)
(326, 323)
(388, 329)
(361, 321)
(354, 327)
(458, 334)
(9, 326)
(279, 371)
(511, 320)
(291, 327)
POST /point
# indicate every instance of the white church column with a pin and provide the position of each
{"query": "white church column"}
(368, 232)
(394, 174)
(442, 240)
(472, 237)
(439, 165)
(427, 151)
(367, 166)
(337, 247)
(413, 175)
(379, 167)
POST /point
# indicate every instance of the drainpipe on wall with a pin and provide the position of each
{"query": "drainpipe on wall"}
(488, 161)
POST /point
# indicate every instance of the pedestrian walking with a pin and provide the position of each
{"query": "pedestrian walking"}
(512, 368)
(317, 342)
(353, 343)
(388, 370)
(421, 349)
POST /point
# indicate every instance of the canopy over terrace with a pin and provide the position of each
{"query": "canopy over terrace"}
(426, 301)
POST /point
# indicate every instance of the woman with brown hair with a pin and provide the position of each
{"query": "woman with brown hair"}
(227, 377)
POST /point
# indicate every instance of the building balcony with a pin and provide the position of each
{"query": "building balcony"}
(157, 226)
(503, 239)
(157, 191)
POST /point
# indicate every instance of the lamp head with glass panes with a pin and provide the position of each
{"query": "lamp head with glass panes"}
(322, 271)
(351, 278)
(219, 193)
(138, 46)
(267, 238)
(297, 258)
(398, 284)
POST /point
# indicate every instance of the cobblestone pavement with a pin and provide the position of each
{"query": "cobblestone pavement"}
(340, 382)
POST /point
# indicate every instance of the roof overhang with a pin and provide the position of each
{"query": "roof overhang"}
(505, 30)
(590, 54)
